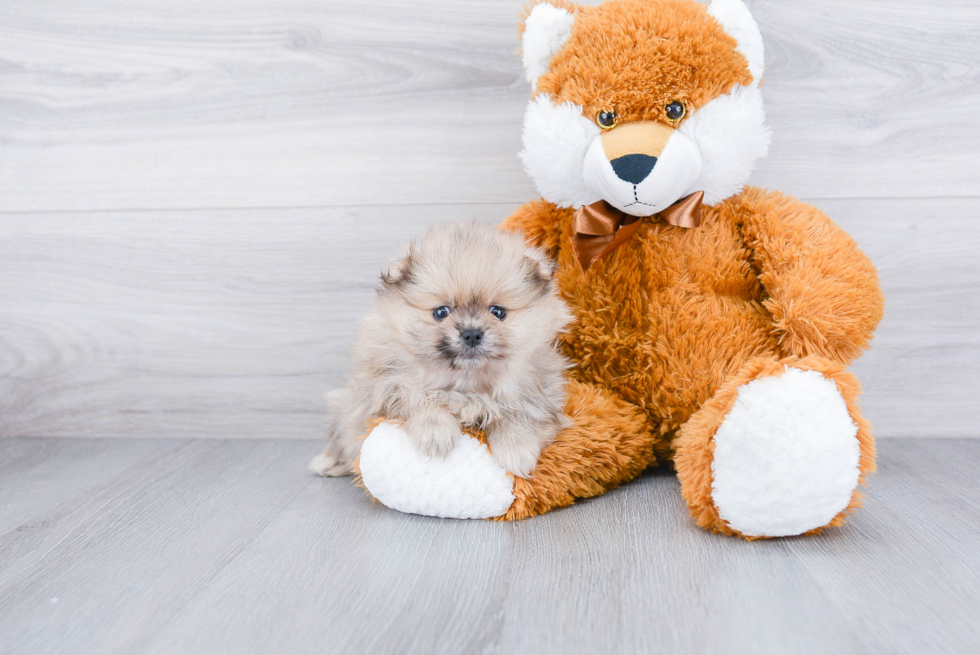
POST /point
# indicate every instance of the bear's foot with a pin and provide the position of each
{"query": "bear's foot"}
(786, 456)
(608, 443)
(467, 484)
(778, 451)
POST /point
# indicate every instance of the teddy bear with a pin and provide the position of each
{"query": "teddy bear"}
(713, 322)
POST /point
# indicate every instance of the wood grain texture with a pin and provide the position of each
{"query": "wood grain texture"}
(231, 324)
(923, 504)
(921, 374)
(234, 323)
(181, 104)
(113, 562)
(131, 304)
(231, 547)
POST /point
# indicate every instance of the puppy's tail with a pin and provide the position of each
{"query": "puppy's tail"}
(337, 400)
(338, 457)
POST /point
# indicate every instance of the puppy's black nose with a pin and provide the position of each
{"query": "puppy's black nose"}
(472, 337)
(633, 168)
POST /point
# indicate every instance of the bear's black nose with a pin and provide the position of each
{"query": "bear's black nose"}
(633, 168)
(472, 337)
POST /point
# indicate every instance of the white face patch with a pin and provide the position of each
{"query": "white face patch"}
(556, 138)
(714, 151)
(731, 133)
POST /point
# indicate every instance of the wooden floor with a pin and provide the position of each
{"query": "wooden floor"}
(213, 546)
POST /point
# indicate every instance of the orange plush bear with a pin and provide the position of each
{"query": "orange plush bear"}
(713, 321)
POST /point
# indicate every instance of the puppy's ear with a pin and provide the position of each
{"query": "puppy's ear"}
(400, 271)
(541, 267)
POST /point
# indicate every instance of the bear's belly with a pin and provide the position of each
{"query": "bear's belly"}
(665, 318)
(670, 355)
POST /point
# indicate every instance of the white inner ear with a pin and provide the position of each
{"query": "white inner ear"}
(737, 20)
(731, 133)
(546, 31)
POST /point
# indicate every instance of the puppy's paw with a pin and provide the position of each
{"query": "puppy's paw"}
(517, 453)
(331, 464)
(434, 433)
(472, 413)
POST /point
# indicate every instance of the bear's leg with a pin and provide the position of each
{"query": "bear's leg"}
(779, 450)
(609, 442)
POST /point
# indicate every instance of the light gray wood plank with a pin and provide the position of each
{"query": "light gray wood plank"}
(226, 324)
(360, 579)
(230, 547)
(920, 375)
(179, 104)
(259, 103)
(906, 572)
(33, 476)
(234, 323)
(630, 572)
(864, 97)
(111, 565)
(612, 575)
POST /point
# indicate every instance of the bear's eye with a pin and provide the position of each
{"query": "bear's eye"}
(498, 311)
(440, 313)
(675, 111)
(607, 119)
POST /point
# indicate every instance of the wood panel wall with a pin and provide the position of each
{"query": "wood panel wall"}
(196, 197)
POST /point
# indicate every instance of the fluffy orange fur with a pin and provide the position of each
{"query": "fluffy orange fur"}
(608, 444)
(673, 321)
(671, 324)
(615, 60)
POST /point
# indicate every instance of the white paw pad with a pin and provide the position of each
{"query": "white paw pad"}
(786, 456)
(468, 484)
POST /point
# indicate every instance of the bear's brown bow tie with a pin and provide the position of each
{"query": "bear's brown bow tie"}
(600, 228)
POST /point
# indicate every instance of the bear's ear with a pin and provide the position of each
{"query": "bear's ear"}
(544, 31)
(737, 21)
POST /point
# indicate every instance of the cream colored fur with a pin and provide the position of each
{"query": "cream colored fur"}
(411, 368)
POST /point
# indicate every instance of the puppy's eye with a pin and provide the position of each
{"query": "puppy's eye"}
(440, 313)
(675, 111)
(498, 311)
(607, 119)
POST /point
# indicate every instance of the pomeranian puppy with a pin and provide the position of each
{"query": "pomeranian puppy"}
(462, 335)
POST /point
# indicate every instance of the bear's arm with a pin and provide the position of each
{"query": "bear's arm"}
(540, 221)
(821, 290)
